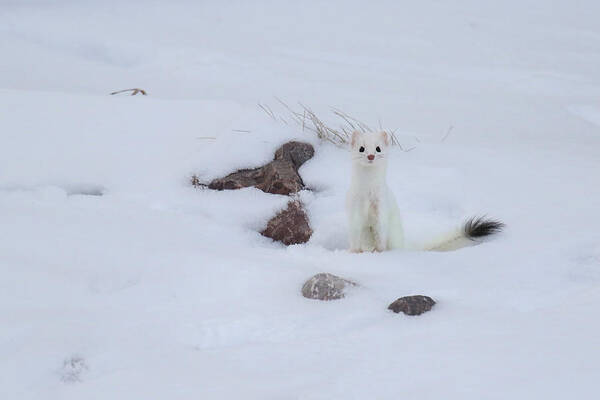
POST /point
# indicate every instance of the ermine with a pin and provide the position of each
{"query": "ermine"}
(374, 219)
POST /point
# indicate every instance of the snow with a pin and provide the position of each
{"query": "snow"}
(121, 281)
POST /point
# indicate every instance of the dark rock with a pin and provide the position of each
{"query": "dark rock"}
(296, 152)
(238, 179)
(325, 286)
(289, 226)
(280, 176)
(412, 305)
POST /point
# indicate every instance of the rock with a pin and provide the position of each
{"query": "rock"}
(237, 180)
(296, 152)
(289, 226)
(280, 176)
(325, 286)
(412, 305)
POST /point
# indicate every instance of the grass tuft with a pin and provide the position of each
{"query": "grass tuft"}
(339, 134)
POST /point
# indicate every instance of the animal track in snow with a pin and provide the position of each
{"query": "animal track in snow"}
(84, 189)
(81, 189)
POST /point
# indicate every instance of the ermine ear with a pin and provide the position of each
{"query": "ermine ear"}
(385, 137)
(355, 136)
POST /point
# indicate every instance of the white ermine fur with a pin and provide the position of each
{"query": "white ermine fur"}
(373, 216)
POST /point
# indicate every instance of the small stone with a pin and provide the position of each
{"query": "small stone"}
(412, 305)
(289, 226)
(325, 286)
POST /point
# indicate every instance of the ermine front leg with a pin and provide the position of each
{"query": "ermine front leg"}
(355, 234)
(380, 235)
(355, 242)
(377, 222)
(380, 242)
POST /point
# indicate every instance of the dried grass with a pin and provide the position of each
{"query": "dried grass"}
(308, 120)
(133, 91)
(195, 181)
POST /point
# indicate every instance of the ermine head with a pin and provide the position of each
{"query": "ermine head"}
(369, 148)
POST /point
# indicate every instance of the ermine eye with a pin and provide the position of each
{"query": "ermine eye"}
(362, 149)
(378, 149)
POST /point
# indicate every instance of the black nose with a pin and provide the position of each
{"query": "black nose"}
(371, 157)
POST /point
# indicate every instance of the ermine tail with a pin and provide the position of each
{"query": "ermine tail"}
(472, 231)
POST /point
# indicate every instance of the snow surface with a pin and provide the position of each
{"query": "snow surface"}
(119, 281)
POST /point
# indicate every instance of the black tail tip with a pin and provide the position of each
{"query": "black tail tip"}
(478, 227)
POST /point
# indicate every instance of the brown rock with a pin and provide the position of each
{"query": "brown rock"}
(412, 305)
(290, 226)
(238, 179)
(296, 152)
(280, 176)
(325, 286)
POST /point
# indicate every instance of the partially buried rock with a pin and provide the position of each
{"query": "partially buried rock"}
(296, 152)
(412, 305)
(280, 176)
(325, 286)
(289, 226)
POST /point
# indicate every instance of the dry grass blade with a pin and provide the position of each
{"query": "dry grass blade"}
(350, 120)
(133, 91)
(195, 181)
(447, 133)
(267, 110)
